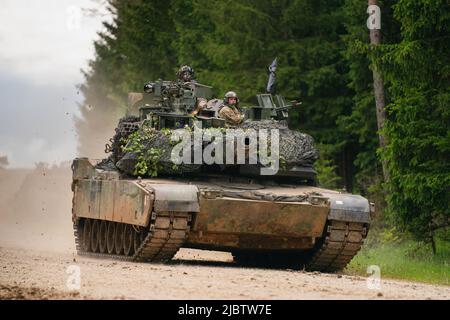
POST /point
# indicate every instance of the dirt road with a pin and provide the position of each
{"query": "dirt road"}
(192, 275)
(35, 214)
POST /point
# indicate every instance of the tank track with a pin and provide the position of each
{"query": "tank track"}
(341, 243)
(159, 242)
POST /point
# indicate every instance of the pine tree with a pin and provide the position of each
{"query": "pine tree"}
(417, 70)
(136, 47)
(361, 124)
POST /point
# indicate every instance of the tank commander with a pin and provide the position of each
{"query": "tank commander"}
(186, 74)
(230, 111)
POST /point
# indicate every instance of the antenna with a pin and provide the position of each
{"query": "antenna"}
(271, 85)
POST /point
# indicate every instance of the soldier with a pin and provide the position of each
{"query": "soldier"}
(230, 111)
(186, 74)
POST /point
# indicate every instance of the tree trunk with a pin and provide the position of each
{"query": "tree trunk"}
(433, 244)
(380, 99)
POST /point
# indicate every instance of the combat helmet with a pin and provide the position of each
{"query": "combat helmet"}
(186, 73)
(230, 94)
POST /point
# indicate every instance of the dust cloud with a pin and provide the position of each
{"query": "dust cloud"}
(35, 208)
(36, 203)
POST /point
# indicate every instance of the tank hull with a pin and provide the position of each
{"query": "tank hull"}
(214, 214)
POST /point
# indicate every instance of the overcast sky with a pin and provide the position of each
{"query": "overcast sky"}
(43, 46)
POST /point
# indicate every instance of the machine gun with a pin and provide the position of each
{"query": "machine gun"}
(267, 108)
(170, 104)
(165, 89)
(270, 107)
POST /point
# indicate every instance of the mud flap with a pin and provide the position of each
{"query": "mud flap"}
(349, 208)
(175, 197)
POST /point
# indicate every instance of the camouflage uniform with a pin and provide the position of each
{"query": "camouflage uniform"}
(231, 113)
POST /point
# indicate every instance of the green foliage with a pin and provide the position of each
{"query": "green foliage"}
(360, 126)
(147, 158)
(326, 170)
(418, 75)
(408, 260)
(400, 256)
(389, 235)
(166, 131)
(326, 174)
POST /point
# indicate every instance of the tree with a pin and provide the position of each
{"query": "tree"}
(136, 47)
(417, 71)
(361, 123)
(378, 83)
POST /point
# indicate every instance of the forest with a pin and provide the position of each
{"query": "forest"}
(325, 60)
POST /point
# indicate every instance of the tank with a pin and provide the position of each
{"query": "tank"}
(279, 220)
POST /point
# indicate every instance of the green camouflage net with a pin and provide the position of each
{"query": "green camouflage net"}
(144, 151)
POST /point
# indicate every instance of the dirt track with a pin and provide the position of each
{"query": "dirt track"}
(35, 216)
(42, 275)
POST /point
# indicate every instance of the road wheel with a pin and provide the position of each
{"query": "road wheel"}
(102, 236)
(95, 236)
(110, 237)
(118, 238)
(136, 239)
(128, 236)
(87, 230)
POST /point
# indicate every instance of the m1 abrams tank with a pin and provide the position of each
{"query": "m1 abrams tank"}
(280, 220)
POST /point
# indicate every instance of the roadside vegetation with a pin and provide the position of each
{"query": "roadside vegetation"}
(401, 257)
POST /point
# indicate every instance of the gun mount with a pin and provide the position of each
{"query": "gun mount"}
(172, 105)
(268, 109)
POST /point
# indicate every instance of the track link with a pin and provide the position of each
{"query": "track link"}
(341, 243)
(159, 242)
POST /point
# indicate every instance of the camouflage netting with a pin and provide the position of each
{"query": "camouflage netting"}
(296, 148)
(148, 151)
(126, 126)
(264, 124)
(152, 155)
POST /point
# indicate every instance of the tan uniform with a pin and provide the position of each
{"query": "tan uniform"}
(231, 115)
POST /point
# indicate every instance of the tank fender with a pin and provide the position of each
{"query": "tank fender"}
(82, 169)
(175, 197)
(349, 208)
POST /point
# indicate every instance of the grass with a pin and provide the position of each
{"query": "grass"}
(406, 259)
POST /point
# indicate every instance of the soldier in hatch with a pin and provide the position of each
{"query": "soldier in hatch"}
(186, 74)
(230, 111)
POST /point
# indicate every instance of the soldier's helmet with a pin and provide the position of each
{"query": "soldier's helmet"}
(230, 94)
(186, 73)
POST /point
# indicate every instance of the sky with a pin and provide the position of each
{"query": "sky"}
(44, 45)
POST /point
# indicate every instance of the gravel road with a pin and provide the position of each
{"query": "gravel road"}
(193, 274)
